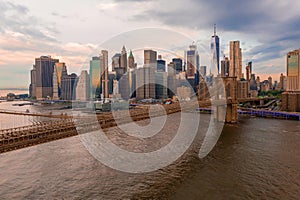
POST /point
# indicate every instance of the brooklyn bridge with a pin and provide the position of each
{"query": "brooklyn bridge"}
(62, 126)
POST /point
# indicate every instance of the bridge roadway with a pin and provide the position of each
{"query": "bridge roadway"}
(41, 132)
(64, 126)
(204, 103)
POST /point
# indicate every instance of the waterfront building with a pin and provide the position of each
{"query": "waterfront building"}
(68, 87)
(43, 74)
(291, 98)
(242, 89)
(293, 71)
(83, 86)
(215, 53)
(235, 60)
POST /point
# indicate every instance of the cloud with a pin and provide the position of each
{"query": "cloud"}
(56, 14)
(274, 26)
(24, 37)
(267, 29)
(15, 18)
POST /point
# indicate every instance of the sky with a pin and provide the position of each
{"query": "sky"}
(74, 31)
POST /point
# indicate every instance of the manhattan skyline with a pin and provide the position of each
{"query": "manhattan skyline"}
(74, 31)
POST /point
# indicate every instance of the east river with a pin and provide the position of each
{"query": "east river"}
(255, 159)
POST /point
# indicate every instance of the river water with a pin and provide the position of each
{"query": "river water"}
(254, 159)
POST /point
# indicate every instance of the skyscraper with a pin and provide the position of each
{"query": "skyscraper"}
(172, 86)
(192, 61)
(124, 86)
(150, 57)
(161, 86)
(123, 59)
(145, 76)
(131, 64)
(192, 66)
(258, 82)
(293, 70)
(248, 73)
(104, 70)
(225, 66)
(178, 64)
(132, 82)
(250, 67)
(115, 64)
(253, 85)
(83, 86)
(55, 85)
(291, 98)
(61, 70)
(242, 89)
(161, 64)
(68, 87)
(95, 77)
(111, 77)
(235, 60)
(270, 83)
(215, 53)
(44, 67)
(32, 88)
(281, 83)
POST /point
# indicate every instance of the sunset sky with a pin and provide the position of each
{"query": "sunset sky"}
(74, 31)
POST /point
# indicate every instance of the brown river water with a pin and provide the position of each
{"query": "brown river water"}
(254, 159)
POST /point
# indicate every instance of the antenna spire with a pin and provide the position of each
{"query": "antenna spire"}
(215, 29)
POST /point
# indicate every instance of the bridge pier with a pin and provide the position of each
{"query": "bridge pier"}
(226, 110)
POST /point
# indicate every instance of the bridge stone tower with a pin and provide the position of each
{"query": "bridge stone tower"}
(225, 103)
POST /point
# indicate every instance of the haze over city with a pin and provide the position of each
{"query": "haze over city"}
(73, 31)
